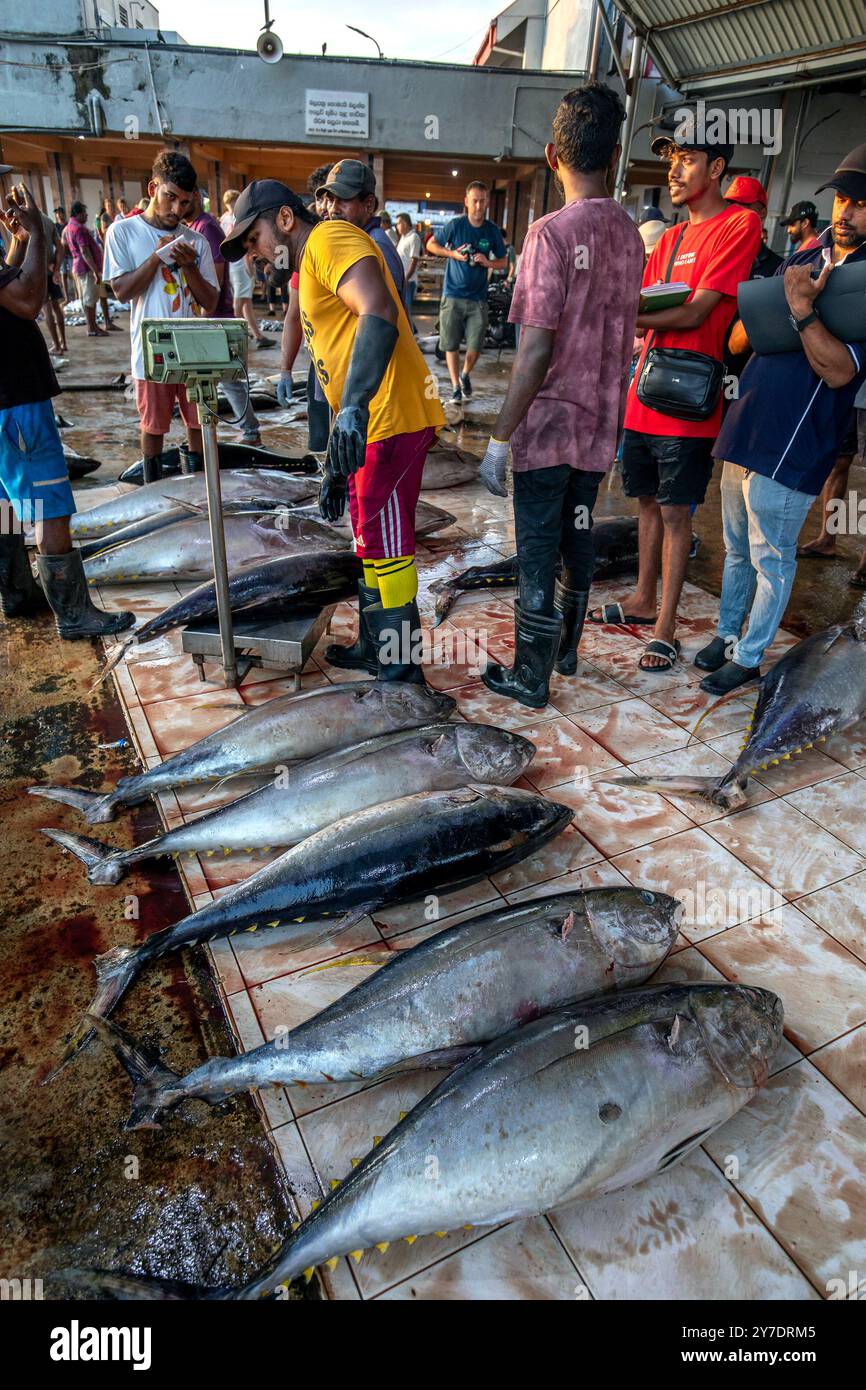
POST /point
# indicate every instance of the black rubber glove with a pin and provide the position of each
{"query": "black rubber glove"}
(332, 496)
(375, 340)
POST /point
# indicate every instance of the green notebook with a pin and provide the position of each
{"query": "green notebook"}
(668, 295)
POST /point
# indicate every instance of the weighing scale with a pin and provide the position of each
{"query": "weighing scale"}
(198, 354)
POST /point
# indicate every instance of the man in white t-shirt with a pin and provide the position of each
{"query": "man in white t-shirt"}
(187, 284)
(410, 251)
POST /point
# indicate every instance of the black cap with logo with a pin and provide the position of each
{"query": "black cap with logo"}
(850, 177)
(686, 132)
(805, 210)
(349, 178)
(263, 195)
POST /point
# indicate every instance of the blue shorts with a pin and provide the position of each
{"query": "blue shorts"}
(33, 472)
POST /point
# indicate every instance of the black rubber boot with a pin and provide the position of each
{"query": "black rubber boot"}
(571, 604)
(190, 462)
(396, 633)
(362, 655)
(715, 654)
(536, 644)
(151, 469)
(729, 677)
(20, 595)
(65, 585)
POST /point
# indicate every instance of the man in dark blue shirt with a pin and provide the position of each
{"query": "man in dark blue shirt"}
(472, 245)
(780, 440)
(349, 195)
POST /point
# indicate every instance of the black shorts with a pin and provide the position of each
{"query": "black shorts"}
(53, 291)
(674, 469)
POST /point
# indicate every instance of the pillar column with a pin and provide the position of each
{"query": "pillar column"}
(65, 186)
(379, 173)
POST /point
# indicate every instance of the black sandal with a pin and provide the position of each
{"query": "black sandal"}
(669, 650)
(613, 613)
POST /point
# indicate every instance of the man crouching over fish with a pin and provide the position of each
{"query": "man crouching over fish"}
(385, 402)
(576, 301)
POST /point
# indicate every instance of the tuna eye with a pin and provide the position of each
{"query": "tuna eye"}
(648, 897)
(609, 1112)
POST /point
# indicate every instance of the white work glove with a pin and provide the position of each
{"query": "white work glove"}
(494, 466)
(284, 389)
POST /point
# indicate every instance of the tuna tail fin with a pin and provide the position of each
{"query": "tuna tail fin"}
(105, 1283)
(95, 806)
(115, 972)
(103, 864)
(117, 655)
(447, 594)
(706, 787)
(150, 1080)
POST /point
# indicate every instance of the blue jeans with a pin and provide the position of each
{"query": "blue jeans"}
(762, 521)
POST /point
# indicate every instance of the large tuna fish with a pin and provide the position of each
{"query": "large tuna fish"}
(291, 728)
(447, 467)
(230, 456)
(615, 543)
(431, 1005)
(582, 1102)
(248, 485)
(817, 689)
(311, 795)
(433, 842)
(183, 551)
(308, 580)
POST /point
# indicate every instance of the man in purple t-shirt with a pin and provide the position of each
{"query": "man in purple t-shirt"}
(236, 392)
(576, 301)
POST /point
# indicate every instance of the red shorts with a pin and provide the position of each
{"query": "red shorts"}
(384, 493)
(155, 401)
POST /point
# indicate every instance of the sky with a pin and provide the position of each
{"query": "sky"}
(446, 31)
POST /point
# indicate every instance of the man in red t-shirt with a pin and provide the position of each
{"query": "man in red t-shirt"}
(667, 462)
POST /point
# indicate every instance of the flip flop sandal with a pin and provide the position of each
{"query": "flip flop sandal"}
(857, 581)
(613, 613)
(815, 555)
(670, 652)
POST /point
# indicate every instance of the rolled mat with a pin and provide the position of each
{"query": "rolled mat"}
(841, 307)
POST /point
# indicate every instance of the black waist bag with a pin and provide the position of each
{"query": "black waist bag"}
(677, 382)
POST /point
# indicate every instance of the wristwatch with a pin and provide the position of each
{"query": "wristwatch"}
(799, 324)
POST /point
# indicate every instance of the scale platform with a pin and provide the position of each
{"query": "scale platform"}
(276, 644)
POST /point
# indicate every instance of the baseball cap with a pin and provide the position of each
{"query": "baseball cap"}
(683, 136)
(349, 178)
(651, 232)
(850, 176)
(806, 209)
(651, 215)
(262, 195)
(747, 190)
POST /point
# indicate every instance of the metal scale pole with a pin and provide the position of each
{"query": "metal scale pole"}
(205, 396)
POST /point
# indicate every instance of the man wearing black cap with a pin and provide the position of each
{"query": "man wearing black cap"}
(386, 406)
(667, 456)
(802, 225)
(349, 195)
(780, 440)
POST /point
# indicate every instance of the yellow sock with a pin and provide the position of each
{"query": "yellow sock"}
(371, 579)
(398, 580)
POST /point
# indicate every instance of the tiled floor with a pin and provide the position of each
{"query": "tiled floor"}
(774, 1205)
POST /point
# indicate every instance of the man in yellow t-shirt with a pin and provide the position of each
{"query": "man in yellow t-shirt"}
(386, 406)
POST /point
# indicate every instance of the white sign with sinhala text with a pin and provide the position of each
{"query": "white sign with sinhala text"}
(338, 113)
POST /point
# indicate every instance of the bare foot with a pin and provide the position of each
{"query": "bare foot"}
(651, 661)
(822, 545)
(632, 607)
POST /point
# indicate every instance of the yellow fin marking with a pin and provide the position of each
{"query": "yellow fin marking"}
(308, 1273)
(410, 1240)
(357, 1255)
(331, 1263)
(383, 1245)
(355, 1162)
(335, 1182)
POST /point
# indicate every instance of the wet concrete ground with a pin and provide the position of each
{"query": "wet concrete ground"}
(202, 1201)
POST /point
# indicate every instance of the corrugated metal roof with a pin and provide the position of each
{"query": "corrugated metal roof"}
(741, 43)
